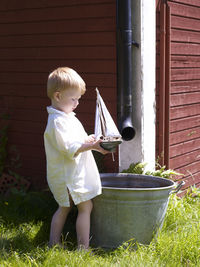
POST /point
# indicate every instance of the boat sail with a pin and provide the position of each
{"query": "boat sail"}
(105, 127)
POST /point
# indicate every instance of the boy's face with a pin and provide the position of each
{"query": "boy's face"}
(67, 100)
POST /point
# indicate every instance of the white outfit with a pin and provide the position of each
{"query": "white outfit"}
(63, 136)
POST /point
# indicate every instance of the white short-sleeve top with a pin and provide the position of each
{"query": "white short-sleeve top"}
(63, 136)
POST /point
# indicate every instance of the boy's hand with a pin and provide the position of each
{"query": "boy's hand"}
(90, 139)
(96, 144)
(91, 144)
(97, 147)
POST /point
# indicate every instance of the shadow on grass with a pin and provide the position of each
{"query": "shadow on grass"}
(32, 208)
(21, 211)
(18, 242)
(25, 207)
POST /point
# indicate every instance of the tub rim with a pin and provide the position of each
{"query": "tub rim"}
(171, 187)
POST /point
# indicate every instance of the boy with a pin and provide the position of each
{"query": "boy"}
(72, 173)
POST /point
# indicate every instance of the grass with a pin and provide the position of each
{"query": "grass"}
(24, 230)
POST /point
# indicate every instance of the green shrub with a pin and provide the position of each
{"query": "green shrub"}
(139, 168)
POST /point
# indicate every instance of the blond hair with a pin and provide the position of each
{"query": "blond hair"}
(64, 78)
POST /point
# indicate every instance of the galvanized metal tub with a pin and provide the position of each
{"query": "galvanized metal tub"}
(131, 206)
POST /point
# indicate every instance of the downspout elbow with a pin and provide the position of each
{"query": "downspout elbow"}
(127, 130)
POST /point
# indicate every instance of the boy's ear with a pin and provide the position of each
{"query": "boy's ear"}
(56, 96)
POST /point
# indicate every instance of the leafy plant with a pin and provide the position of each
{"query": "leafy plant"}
(139, 168)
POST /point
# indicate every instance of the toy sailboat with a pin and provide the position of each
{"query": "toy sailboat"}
(105, 127)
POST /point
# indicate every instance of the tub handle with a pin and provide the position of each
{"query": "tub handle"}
(178, 187)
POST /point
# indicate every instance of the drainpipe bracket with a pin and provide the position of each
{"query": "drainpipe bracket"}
(135, 44)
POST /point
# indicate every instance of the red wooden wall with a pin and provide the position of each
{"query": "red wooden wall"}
(183, 114)
(35, 38)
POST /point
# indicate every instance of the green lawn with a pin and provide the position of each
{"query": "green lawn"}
(24, 230)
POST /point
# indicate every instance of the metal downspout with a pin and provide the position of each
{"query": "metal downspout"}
(124, 69)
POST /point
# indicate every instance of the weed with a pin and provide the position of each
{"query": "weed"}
(139, 168)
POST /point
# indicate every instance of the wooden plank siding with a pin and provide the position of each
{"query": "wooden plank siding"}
(37, 37)
(185, 90)
(184, 137)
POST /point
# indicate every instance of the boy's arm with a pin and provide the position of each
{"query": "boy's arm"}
(72, 149)
(91, 146)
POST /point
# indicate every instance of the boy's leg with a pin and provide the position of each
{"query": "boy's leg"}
(57, 224)
(83, 224)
